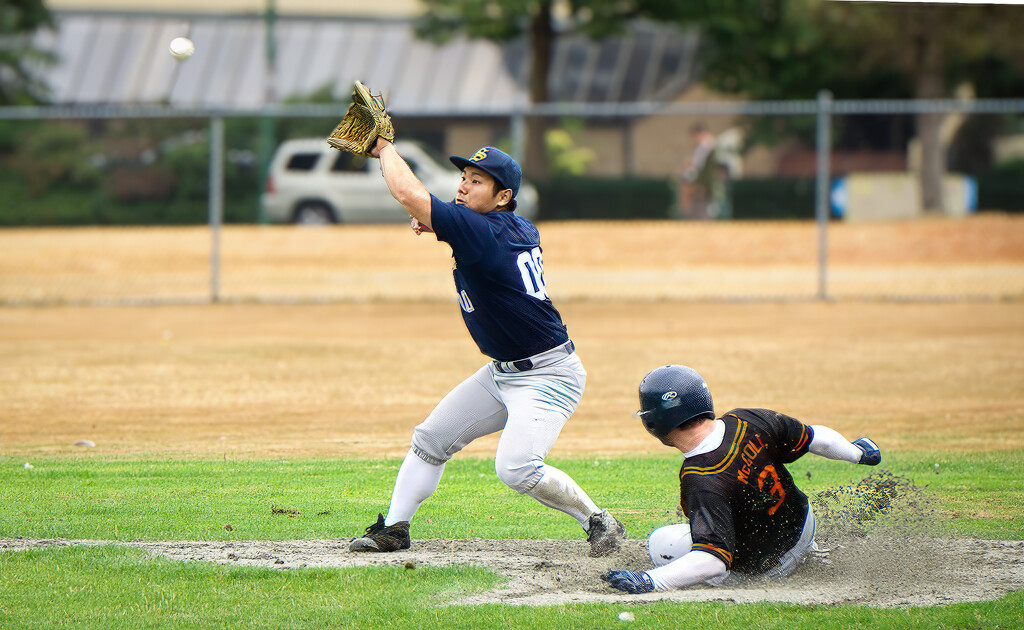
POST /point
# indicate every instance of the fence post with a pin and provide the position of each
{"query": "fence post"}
(823, 178)
(216, 204)
(517, 133)
(267, 144)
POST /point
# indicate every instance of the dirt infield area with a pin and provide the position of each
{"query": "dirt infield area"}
(877, 572)
(354, 378)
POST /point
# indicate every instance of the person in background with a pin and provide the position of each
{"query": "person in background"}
(704, 179)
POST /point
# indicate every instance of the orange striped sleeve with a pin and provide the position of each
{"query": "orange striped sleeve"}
(804, 437)
(717, 552)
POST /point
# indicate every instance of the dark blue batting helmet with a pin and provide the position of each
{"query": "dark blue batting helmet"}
(671, 396)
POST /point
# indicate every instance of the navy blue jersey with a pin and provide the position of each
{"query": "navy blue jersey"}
(499, 276)
(742, 503)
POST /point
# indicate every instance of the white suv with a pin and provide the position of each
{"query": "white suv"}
(311, 183)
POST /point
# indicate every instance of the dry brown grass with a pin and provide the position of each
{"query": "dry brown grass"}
(982, 256)
(980, 240)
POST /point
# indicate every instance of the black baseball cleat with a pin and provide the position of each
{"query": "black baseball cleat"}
(871, 455)
(604, 533)
(381, 537)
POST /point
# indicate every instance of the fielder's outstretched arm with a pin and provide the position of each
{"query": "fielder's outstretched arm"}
(405, 187)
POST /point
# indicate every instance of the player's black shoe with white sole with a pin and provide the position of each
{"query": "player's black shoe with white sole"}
(381, 537)
(604, 533)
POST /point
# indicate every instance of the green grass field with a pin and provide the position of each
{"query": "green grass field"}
(126, 499)
(116, 588)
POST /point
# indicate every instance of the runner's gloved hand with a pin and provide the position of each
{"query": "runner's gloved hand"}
(630, 581)
(872, 456)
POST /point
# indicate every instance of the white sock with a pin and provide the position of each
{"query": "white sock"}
(558, 490)
(416, 481)
(830, 443)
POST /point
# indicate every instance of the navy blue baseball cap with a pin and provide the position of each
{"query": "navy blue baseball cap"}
(499, 164)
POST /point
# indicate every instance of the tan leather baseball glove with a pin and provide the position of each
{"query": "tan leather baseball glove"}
(365, 121)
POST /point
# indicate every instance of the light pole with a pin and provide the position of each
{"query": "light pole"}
(269, 96)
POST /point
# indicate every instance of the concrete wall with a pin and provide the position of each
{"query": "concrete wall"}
(892, 196)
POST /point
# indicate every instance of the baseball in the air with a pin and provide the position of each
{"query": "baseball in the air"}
(181, 48)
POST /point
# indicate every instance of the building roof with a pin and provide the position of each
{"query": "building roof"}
(347, 8)
(122, 57)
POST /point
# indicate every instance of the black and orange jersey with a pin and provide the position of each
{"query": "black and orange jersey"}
(742, 503)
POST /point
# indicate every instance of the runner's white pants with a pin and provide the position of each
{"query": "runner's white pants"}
(670, 543)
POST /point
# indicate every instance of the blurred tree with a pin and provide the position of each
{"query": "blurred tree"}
(781, 49)
(541, 21)
(564, 156)
(49, 153)
(785, 49)
(19, 20)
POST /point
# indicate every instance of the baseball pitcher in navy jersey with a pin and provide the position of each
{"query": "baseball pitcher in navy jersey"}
(534, 380)
(745, 513)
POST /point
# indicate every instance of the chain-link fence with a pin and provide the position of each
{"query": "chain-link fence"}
(932, 259)
(151, 233)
